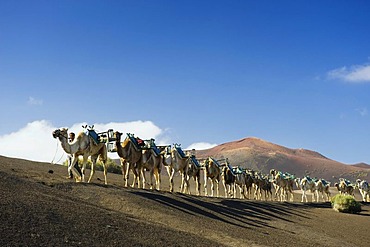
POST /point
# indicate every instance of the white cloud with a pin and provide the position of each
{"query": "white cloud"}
(34, 101)
(201, 146)
(356, 73)
(35, 142)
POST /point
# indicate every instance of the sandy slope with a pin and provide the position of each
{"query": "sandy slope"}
(39, 207)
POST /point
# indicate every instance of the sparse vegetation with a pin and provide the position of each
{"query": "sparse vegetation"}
(111, 165)
(345, 204)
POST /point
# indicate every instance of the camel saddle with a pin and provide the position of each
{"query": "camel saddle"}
(94, 136)
(238, 170)
(179, 150)
(195, 161)
(216, 162)
(138, 143)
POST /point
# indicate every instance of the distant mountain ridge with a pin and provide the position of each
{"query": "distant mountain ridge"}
(261, 155)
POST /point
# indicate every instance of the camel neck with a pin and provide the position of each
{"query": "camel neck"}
(65, 145)
(122, 151)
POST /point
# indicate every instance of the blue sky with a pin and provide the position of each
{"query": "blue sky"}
(295, 73)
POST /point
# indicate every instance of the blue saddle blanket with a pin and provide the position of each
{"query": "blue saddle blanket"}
(94, 136)
(182, 154)
(133, 140)
(156, 150)
(237, 170)
(215, 161)
(195, 161)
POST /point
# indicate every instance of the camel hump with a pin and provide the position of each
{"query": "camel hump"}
(94, 136)
(180, 151)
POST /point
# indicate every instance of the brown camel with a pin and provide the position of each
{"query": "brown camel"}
(130, 157)
(83, 145)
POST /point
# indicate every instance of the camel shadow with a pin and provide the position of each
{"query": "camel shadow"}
(240, 213)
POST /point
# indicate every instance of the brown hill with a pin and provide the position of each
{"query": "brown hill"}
(40, 207)
(261, 155)
(362, 165)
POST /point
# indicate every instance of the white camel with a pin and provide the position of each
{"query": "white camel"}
(364, 188)
(322, 186)
(83, 145)
(152, 162)
(283, 183)
(176, 161)
(308, 184)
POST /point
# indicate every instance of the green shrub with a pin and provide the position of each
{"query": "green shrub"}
(345, 204)
(111, 165)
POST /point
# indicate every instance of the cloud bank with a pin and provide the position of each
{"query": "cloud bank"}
(201, 146)
(35, 142)
(354, 74)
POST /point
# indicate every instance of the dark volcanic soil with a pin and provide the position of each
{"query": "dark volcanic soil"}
(40, 207)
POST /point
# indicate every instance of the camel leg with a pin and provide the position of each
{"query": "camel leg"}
(136, 176)
(205, 184)
(84, 162)
(151, 174)
(317, 196)
(153, 177)
(157, 176)
(123, 169)
(242, 192)
(186, 184)
(171, 172)
(132, 168)
(217, 188)
(105, 171)
(197, 185)
(304, 196)
(93, 163)
(73, 169)
(225, 188)
(212, 187)
(143, 178)
(182, 182)
(313, 196)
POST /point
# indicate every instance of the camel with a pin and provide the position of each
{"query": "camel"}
(177, 161)
(130, 158)
(364, 188)
(306, 184)
(248, 182)
(322, 186)
(83, 145)
(194, 171)
(345, 187)
(283, 184)
(261, 184)
(212, 172)
(228, 180)
(152, 161)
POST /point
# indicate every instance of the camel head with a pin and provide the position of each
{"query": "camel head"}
(60, 132)
(273, 172)
(118, 135)
(337, 185)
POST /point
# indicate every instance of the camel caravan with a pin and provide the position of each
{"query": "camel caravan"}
(139, 157)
